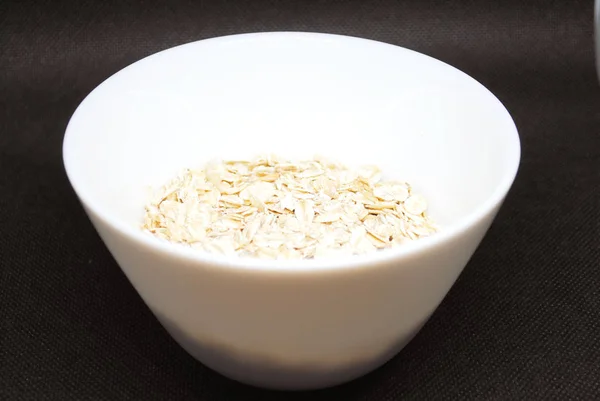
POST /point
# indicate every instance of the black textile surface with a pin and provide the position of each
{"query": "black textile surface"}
(521, 323)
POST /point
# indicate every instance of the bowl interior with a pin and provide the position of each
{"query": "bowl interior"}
(297, 95)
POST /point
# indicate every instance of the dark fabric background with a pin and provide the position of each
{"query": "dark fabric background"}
(522, 322)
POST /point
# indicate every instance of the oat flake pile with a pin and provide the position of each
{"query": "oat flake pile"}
(271, 208)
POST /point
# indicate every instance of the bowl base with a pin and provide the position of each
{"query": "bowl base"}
(273, 375)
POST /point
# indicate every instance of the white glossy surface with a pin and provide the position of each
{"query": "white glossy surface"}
(294, 324)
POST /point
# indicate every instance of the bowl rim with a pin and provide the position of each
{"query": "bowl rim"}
(397, 254)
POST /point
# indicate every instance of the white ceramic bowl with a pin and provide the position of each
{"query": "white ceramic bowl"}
(308, 323)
